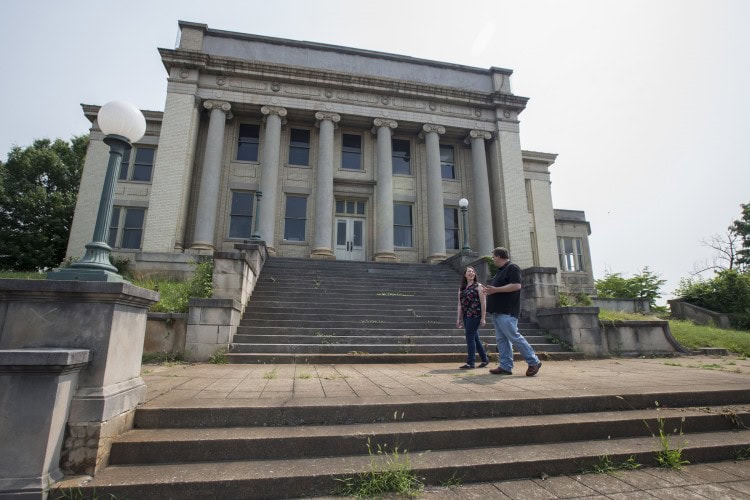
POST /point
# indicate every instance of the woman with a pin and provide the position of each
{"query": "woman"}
(471, 309)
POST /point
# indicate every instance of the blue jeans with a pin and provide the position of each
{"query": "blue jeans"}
(507, 337)
(473, 344)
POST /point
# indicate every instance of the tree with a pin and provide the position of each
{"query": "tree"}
(643, 286)
(38, 190)
(741, 228)
(726, 250)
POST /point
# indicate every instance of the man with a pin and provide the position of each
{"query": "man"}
(504, 303)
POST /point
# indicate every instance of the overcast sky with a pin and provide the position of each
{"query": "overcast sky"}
(647, 103)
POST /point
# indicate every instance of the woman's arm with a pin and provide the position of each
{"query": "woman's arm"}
(483, 304)
(459, 310)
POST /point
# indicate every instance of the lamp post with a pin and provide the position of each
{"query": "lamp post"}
(256, 234)
(464, 204)
(122, 123)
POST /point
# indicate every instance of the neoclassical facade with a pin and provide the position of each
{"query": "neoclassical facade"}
(327, 152)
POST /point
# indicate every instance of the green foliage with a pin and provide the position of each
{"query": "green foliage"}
(645, 285)
(727, 292)
(573, 300)
(741, 228)
(389, 473)
(490, 265)
(15, 275)
(121, 263)
(219, 357)
(163, 357)
(605, 465)
(668, 457)
(174, 295)
(38, 191)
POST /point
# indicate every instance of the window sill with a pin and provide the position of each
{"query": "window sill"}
(289, 165)
(294, 243)
(130, 181)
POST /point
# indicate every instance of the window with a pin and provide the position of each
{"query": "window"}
(401, 157)
(350, 207)
(126, 227)
(451, 228)
(299, 147)
(295, 219)
(351, 152)
(247, 142)
(447, 162)
(241, 215)
(402, 225)
(141, 168)
(571, 254)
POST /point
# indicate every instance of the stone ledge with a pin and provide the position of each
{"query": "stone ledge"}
(39, 357)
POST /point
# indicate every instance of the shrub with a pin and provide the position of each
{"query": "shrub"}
(727, 292)
(174, 295)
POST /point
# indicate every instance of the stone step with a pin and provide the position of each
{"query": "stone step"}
(153, 446)
(443, 330)
(426, 338)
(269, 413)
(318, 476)
(345, 313)
(389, 323)
(370, 348)
(359, 357)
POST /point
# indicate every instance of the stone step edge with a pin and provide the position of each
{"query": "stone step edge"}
(356, 357)
(317, 476)
(141, 446)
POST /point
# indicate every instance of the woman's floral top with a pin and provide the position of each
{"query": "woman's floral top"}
(470, 304)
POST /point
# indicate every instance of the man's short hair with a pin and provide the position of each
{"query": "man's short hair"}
(501, 252)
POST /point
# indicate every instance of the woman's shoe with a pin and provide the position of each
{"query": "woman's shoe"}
(466, 367)
(483, 364)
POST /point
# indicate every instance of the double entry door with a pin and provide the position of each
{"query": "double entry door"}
(350, 238)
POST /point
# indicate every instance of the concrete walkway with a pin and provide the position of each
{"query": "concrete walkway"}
(205, 385)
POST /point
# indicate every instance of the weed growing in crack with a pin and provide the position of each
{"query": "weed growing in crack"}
(390, 472)
(605, 465)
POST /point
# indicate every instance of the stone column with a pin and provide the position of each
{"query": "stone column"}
(208, 196)
(324, 187)
(482, 209)
(269, 177)
(435, 212)
(384, 192)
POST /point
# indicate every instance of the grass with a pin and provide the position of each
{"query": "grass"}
(219, 357)
(18, 275)
(390, 472)
(172, 357)
(605, 465)
(270, 375)
(691, 335)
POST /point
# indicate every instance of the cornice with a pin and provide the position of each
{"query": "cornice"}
(280, 73)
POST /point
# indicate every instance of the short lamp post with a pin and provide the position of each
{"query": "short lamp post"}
(122, 124)
(464, 204)
(256, 234)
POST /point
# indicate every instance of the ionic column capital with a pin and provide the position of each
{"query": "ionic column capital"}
(430, 127)
(478, 134)
(274, 110)
(383, 122)
(327, 115)
(224, 106)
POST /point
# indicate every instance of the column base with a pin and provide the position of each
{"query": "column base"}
(434, 259)
(322, 254)
(200, 247)
(385, 257)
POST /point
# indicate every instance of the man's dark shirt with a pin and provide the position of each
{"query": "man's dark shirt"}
(506, 303)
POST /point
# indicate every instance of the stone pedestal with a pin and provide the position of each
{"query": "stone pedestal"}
(108, 319)
(36, 387)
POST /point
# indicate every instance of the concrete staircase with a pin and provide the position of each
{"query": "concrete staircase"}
(300, 448)
(308, 311)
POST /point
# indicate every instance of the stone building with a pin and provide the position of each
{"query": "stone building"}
(328, 152)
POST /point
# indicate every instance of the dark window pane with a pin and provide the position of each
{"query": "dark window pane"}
(401, 157)
(132, 228)
(296, 207)
(351, 152)
(402, 214)
(358, 230)
(294, 230)
(241, 220)
(447, 163)
(402, 236)
(125, 165)
(341, 233)
(451, 239)
(299, 147)
(247, 144)
(361, 208)
(451, 228)
(340, 207)
(114, 223)
(350, 207)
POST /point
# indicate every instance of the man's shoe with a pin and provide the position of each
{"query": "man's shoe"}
(500, 371)
(483, 364)
(533, 370)
(466, 367)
